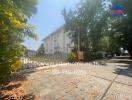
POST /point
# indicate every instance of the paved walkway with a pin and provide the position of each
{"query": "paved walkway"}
(105, 80)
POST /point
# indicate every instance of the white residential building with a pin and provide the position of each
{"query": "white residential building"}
(58, 42)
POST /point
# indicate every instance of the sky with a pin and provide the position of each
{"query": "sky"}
(47, 19)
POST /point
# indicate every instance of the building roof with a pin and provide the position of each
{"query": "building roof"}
(54, 32)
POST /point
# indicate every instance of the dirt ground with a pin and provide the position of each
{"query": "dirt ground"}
(101, 80)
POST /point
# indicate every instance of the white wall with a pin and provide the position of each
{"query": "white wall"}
(58, 41)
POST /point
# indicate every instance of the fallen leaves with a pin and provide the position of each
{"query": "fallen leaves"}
(15, 89)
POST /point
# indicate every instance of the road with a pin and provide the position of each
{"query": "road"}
(102, 80)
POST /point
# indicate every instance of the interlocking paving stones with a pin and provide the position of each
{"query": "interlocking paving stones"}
(125, 77)
(70, 87)
(83, 82)
(119, 92)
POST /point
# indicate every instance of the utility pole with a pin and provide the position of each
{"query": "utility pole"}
(79, 53)
(78, 45)
(78, 40)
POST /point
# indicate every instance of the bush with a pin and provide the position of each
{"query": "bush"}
(9, 60)
(16, 66)
(7, 70)
(89, 56)
(13, 29)
(71, 57)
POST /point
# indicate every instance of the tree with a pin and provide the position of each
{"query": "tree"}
(123, 26)
(87, 21)
(41, 50)
(92, 21)
(105, 43)
(14, 15)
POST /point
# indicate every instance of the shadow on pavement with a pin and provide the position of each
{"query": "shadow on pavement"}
(30, 96)
(127, 71)
(28, 69)
(12, 87)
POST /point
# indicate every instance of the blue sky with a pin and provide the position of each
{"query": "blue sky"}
(48, 19)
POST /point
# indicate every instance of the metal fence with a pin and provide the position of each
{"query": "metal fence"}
(32, 62)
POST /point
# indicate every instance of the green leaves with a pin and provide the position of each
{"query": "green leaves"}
(97, 28)
(41, 50)
(123, 25)
(14, 15)
(88, 20)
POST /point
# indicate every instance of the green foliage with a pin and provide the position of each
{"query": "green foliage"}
(106, 43)
(87, 20)
(72, 57)
(123, 26)
(89, 56)
(13, 29)
(97, 28)
(41, 50)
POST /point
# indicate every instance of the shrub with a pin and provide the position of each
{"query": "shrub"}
(13, 29)
(9, 60)
(16, 66)
(72, 57)
(6, 70)
(89, 56)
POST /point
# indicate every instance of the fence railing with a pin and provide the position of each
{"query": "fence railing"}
(31, 62)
